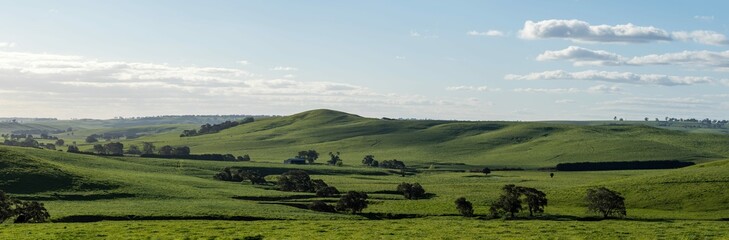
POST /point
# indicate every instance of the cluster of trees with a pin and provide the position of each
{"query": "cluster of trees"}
(300, 181)
(599, 200)
(308, 155)
(113, 149)
(214, 128)
(369, 160)
(227, 174)
(351, 201)
(601, 166)
(412, 191)
(22, 211)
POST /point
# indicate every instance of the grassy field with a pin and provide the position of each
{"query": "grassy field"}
(432, 228)
(495, 144)
(133, 197)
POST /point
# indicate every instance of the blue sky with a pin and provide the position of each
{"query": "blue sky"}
(471, 60)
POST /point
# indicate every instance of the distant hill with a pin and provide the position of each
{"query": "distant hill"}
(480, 143)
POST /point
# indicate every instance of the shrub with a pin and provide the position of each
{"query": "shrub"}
(411, 191)
(352, 201)
(464, 207)
(320, 206)
(327, 191)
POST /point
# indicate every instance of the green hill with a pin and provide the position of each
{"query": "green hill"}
(424, 142)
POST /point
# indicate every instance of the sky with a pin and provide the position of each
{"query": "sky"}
(465, 60)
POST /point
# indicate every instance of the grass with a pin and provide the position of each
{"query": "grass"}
(176, 199)
(494, 144)
(434, 228)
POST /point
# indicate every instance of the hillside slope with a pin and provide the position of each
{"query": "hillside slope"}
(520, 144)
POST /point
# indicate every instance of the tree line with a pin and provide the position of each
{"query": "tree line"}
(214, 128)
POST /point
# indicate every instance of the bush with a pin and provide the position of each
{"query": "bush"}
(352, 201)
(26, 211)
(411, 191)
(320, 206)
(464, 207)
(328, 191)
(605, 201)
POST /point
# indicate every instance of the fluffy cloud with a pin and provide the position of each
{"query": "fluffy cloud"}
(473, 88)
(489, 33)
(547, 90)
(35, 85)
(703, 37)
(283, 68)
(617, 77)
(583, 56)
(582, 31)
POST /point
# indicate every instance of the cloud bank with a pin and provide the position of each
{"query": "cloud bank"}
(616, 77)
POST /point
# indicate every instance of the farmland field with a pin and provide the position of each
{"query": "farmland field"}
(91, 196)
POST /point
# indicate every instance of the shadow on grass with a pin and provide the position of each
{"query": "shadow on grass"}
(78, 197)
(275, 198)
(97, 218)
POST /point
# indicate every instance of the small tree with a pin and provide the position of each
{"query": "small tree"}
(134, 149)
(99, 149)
(321, 206)
(114, 148)
(32, 212)
(310, 155)
(536, 200)
(166, 150)
(606, 202)
(334, 159)
(327, 191)
(148, 148)
(486, 171)
(368, 160)
(411, 191)
(254, 176)
(60, 142)
(72, 149)
(295, 181)
(181, 151)
(352, 201)
(508, 202)
(464, 207)
(91, 139)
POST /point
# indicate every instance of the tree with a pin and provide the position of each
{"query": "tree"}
(368, 160)
(60, 142)
(508, 202)
(392, 164)
(148, 148)
(32, 212)
(166, 150)
(114, 148)
(464, 207)
(72, 149)
(134, 149)
(486, 171)
(99, 149)
(606, 202)
(181, 151)
(295, 181)
(352, 201)
(327, 191)
(244, 158)
(321, 206)
(7, 207)
(411, 191)
(91, 139)
(536, 200)
(310, 155)
(254, 176)
(334, 159)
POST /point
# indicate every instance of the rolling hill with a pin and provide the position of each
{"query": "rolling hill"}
(425, 142)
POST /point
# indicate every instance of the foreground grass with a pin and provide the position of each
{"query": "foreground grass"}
(435, 228)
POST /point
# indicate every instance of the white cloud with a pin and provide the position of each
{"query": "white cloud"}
(7, 44)
(489, 33)
(577, 30)
(564, 101)
(586, 57)
(473, 88)
(243, 62)
(425, 34)
(400, 58)
(547, 90)
(582, 56)
(282, 68)
(604, 89)
(704, 18)
(617, 77)
(289, 76)
(703, 37)
(34, 84)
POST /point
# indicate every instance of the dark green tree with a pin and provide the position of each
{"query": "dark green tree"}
(508, 202)
(166, 150)
(464, 207)
(411, 191)
(369, 160)
(606, 202)
(148, 148)
(91, 139)
(31, 212)
(99, 149)
(114, 148)
(295, 181)
(60, 142)
(134, 149)
(536, 200)
(310, 155)
(486, 171)
(334, 159)
(352, 201)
